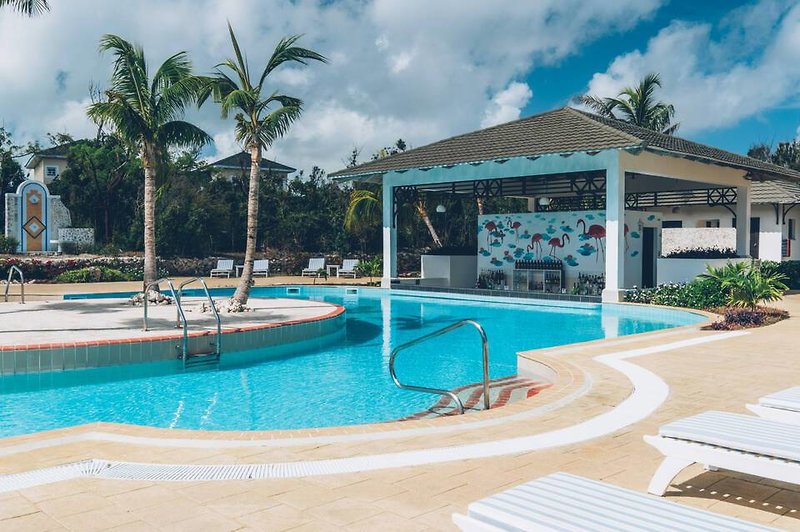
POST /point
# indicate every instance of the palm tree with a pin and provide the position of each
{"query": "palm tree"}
(146, 114)
(27, 7)
(260, 120)
(365, 210)
(637, 105)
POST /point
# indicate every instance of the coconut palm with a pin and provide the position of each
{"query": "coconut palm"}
(260, 118)
(146, 114)
(637, 105)
(26, 7)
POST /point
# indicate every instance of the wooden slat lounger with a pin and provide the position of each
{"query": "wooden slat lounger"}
(567, 502)
(722, 440)
(781, 406)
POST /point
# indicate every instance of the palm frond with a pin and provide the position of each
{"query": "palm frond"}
(182, 134)
(27, 7)
(363, 210)
(285, 52)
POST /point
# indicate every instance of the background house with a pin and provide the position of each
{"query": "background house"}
(238, 165)
(46, 165)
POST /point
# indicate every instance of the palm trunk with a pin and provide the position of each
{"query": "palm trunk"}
(150, 267)
(243, 290)
(423, 213)
(479, 202)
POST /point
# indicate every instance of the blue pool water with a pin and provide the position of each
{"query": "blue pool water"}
(332, 381)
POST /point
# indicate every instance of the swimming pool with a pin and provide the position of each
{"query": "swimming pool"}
(342, 383)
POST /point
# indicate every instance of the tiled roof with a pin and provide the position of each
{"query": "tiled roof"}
(775, 191)
(242, 160)
(56, 152)
(562, 130)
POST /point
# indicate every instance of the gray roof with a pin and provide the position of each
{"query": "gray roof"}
(564, 130)
(775, 192)
(56, 152)
(241, 161)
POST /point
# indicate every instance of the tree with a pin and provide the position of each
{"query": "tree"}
(27, 7)
(636, 105)
(787, 154)
(146, 114)
(260, 120)
(11, 173)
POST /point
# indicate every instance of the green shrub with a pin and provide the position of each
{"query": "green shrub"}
(8, 244)
(748, 285)
(93, 274)
(699, 294)
(789, 268)
(370, 268)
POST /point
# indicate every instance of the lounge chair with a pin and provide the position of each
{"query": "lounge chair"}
(721, 440)
(348, 268)
(314, 266)
(261, 267)
(781, 406)
(567, 502)
(224, 268)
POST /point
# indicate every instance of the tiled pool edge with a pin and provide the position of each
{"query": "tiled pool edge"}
(67, 356)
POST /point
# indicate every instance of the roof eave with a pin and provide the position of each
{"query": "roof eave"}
(711, 160)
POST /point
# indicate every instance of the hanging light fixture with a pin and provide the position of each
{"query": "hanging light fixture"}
(441, 208)
(545, 201)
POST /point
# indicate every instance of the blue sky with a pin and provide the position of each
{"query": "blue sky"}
(554, 85)
(424, 70)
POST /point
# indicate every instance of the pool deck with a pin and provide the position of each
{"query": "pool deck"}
(704, 370)
(59, 321)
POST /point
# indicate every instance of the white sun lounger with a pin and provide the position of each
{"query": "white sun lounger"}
(224, 267)
(781, 406)
(567, 502)
(348, 268)
(261, 267)
(314, 267)
(722, 440)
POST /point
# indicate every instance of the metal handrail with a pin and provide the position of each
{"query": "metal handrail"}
(171, 288)
(213, 309)
(11, 271)
(448, 393)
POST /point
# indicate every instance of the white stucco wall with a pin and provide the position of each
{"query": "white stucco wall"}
(770, 236)
(686, 270)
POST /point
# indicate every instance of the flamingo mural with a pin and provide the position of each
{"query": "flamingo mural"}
(490, 227)
(557, 243)
(598, 232)
(536, 244)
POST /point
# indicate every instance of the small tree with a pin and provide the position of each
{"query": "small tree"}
(747, 285)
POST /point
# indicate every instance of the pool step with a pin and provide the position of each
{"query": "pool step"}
(201, 360)
(501, 392)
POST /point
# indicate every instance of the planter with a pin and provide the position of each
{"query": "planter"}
(686, 270)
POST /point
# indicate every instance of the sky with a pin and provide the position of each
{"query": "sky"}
(423, 70)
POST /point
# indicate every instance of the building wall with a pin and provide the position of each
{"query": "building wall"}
(38, 172)
(505, 238)
(771, 234)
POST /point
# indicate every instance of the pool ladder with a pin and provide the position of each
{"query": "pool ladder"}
(11, 271)
(455, 398)
(190, 360)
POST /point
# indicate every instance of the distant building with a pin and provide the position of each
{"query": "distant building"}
(46, 165)
(238, 165)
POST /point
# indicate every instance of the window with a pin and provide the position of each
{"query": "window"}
(51, 171)
(791, 231)
(671, 224)
(712, 223)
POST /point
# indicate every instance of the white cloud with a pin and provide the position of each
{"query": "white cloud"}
(507, 104)
(715, 82)
(414, 69)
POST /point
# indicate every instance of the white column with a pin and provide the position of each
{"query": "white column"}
(531, 204)
(615, 232)
(389, 237)
(743, 221)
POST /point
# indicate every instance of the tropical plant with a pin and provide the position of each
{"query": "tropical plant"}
(146, 114)
(370, 268)
(26, 7)
(260, 118)
(636, 105)
(747, 285)
(8, 244)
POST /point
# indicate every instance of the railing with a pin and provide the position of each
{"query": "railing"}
(11, 271)
(218, 342)
(448, 393)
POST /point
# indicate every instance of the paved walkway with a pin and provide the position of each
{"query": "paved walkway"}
(57, 321)
(723, 374)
